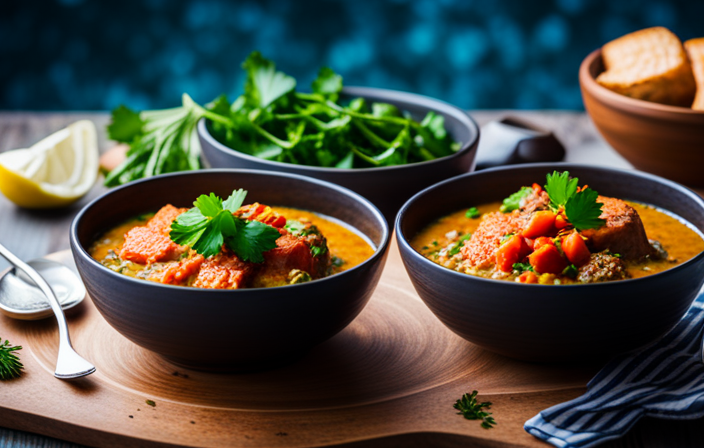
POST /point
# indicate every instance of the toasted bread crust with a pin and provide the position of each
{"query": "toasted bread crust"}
(651, 65)
(695, 51)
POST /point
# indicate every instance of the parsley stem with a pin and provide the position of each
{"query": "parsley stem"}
(375, 139)
(273, 139)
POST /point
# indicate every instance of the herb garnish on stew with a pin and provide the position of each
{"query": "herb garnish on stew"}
(211, 223)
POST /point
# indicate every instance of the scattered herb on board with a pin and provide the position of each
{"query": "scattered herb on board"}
(579, 205)
(10, 365)
(273, 121)
(151, 403)
(211, 223)
(472, 213)
(471, 409)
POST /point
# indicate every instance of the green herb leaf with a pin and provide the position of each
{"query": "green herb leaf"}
(252, 240)
(318, 250)
(458, 245)
(126, 125)
(234, 202)
(513, 202)
(264, 84)
(560, 188)
(570, 271)
(472, 213)
(211, 223)
(328, 83)
(471, 409)
(10, 365)
(522, 267)
(583, 211)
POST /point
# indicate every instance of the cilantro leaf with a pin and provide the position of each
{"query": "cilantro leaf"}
(583, 210)
(328, 83)
(264, 84)
(211, 239)
(234, 202)
(522, 267)
(472, 213)
(459, 245)
(207, 226)
(560, 188)
(318, 250)
(126, 125)
(252, 239)
(209, 206)
(513, 202)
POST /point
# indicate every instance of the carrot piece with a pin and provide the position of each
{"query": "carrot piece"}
(512, 251)
(575, 249)
(561, 222)
(528, 277)
(542, 223)
(537, 188)
(547, 260)
(541, 241)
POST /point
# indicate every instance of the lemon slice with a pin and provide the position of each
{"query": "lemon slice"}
(54, 172)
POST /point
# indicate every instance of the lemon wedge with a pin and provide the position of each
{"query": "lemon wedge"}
(54, 172)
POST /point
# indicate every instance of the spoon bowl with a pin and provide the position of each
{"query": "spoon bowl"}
(21, 299)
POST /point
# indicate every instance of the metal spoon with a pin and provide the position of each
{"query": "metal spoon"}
(69, 364)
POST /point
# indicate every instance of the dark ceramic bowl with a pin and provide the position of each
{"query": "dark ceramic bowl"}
(552, 323)
(661, 139)
(387, 187)
(229, 329)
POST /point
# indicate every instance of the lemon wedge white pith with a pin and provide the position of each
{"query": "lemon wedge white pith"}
(54, 172)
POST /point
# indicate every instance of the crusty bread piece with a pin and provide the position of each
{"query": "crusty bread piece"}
(651, 65)
(695, 50)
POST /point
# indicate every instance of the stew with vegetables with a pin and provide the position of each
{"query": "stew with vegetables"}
(224, 245)
(559, 233)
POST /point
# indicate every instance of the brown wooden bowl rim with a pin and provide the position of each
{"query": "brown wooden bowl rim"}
(633, 105)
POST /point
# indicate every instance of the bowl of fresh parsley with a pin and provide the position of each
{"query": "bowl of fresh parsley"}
(228, 329)
(383, 144)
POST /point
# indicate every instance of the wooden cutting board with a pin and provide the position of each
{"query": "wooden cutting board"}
(390, 378)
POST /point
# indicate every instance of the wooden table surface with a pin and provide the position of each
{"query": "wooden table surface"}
(32, 234)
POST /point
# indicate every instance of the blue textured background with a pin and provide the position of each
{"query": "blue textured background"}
(82, 54)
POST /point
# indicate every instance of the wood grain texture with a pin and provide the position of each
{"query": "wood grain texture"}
(399, 399)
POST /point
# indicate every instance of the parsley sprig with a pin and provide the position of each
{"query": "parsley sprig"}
(10, 365)
(580, 207)
(471, 409)
(211, 223)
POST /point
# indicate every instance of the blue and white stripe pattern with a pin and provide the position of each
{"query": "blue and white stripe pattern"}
(665, 380)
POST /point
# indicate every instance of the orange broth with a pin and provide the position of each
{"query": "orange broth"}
(680, 241)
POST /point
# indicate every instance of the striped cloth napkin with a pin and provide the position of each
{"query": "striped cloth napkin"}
(665, 380)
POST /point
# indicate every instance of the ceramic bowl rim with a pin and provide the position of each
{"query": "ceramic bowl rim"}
(633, 105)
(403, 240)
(379, 251)
(422, 100)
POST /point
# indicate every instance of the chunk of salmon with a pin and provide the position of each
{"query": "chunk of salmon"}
(178, 273)
(480, 250)
(151, 243)
(623, 232)
(224, 271)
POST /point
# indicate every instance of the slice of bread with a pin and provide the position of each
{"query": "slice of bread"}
(651, 65)
(695, 50)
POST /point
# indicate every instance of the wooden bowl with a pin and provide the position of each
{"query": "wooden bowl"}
(664, 140)
(552, 323)
(229, 329)
(387, 187)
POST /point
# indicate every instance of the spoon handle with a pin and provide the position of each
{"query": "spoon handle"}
(69, 363)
